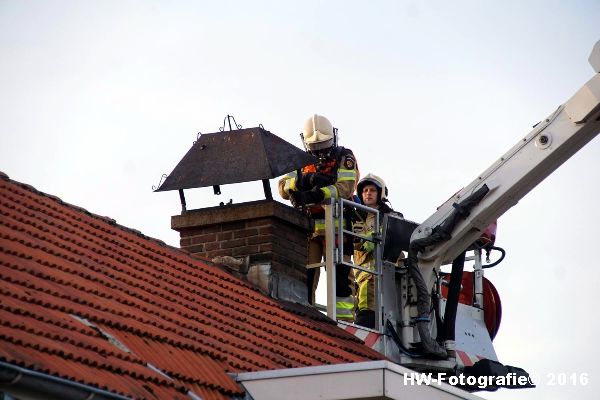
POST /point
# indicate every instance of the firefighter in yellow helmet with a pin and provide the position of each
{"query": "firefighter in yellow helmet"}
(372, 192)
(333, 176)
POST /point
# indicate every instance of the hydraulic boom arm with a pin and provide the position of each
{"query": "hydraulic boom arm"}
(531, 160)
(460, 221)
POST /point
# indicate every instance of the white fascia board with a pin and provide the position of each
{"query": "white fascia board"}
(364, 380)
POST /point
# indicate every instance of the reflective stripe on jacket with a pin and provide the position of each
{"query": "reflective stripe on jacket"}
(344, 308)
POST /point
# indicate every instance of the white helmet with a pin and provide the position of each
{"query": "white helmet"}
(318, 133)
(373, 180)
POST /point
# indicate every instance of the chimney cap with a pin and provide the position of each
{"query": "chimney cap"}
(242, 155)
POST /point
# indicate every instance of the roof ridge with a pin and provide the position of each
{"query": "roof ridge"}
(106, 219)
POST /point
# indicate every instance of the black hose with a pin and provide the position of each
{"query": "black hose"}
(502, 251)
(429, 345)
(440, 233)
(396, 339)
(449, 327)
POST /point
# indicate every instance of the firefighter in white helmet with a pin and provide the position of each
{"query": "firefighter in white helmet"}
(333, 176)
(373, 193)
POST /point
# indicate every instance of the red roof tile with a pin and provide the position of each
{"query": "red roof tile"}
(85, 299)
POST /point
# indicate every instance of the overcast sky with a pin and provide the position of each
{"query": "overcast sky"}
(99, 99)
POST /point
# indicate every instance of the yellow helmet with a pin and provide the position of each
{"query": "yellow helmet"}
(318, 133)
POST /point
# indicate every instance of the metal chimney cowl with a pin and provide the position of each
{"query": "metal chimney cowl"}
(237, 156)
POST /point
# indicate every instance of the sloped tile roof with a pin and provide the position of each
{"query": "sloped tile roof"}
(85, 299)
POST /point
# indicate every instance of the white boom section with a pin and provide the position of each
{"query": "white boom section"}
(530, 161)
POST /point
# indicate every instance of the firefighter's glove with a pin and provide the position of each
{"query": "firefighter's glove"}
(319, 180)
(300, 199)
(303, 181)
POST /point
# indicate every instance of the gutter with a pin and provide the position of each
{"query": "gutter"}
(25, 383)
(381, 380)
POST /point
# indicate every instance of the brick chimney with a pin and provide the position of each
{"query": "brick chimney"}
(269, 236)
